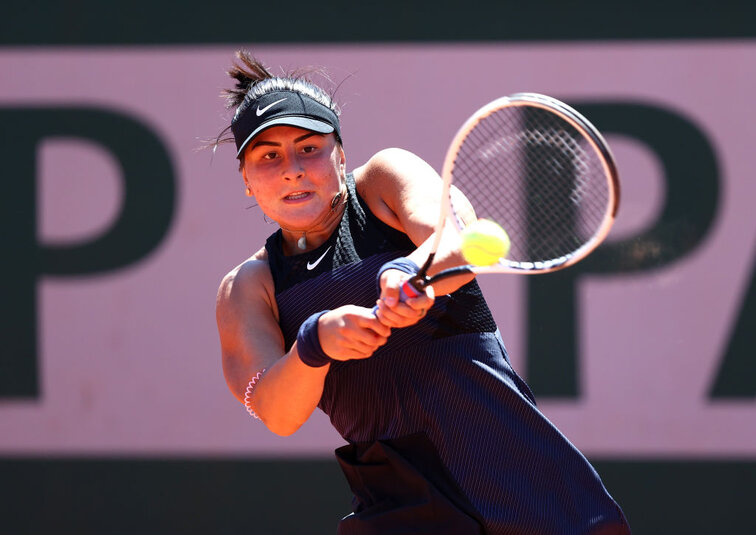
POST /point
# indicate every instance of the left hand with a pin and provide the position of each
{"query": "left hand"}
(396, 313)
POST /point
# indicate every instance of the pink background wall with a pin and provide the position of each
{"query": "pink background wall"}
(129, 360)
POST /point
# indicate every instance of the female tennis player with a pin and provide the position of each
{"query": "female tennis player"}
(443, 436)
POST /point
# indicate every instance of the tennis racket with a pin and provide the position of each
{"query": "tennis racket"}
(541, 171)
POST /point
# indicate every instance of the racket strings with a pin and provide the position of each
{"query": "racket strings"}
(535, 174)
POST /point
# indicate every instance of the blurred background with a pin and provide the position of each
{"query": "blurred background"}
(118, 226)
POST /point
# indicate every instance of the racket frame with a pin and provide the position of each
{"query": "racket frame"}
(597, 143)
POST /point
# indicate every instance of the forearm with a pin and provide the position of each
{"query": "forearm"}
(447, 256)
(288, 393)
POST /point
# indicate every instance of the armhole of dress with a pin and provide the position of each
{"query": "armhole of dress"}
(273, 246)
(398, 238)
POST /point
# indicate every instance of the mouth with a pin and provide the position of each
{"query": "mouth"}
(297, 196)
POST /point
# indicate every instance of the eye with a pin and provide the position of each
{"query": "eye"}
(272, 155)
(309, 149)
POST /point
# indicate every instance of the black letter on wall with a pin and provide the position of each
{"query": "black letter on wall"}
(148, 206)
(692, 181)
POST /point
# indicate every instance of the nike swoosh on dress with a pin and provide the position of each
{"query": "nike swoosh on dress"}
(313, 265)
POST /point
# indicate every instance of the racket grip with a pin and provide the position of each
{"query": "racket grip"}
(407, 290)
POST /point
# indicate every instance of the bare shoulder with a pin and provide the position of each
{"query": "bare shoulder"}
(391, 166)
(393, 179)
(249, 285)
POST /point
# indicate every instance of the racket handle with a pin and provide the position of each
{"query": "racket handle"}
(408, 290)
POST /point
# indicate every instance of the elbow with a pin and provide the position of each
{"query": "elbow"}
(277, 425)
(282, 428)
(283, 431)
(277, 421)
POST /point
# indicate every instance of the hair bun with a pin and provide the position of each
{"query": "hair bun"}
(247, 72)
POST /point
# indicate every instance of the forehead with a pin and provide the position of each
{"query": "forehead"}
(280, 136)
(282, 133)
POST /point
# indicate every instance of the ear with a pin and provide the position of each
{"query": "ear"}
(342, 160)
(249, 190)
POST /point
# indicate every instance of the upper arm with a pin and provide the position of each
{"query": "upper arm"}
(405, 192)
(246, 315)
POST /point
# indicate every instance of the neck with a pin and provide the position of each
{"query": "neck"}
(298, 241)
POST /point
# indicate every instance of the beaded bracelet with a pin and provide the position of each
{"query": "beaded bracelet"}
(248, 393)
(308, 343)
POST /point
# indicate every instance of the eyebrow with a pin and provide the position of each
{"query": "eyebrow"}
(264, 143)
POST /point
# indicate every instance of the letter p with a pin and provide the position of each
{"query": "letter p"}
(145, 217)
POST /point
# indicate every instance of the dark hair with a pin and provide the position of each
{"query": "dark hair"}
(253, 80)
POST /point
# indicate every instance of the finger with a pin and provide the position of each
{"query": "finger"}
(351, 354)
(370, 338)
(390, 286)
(354, 347)
(400, 321)
(363, 349)
(366, 328)
(405, 310)
(424, 301)
(396, 316)
(373, 322)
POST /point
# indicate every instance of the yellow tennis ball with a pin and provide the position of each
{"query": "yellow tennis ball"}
(484, 242)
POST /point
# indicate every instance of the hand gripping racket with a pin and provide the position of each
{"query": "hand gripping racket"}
(539, 169)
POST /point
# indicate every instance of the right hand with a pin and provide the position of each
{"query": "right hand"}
(395, 311)
(351, 332)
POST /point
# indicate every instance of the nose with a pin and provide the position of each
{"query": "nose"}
(294, 170)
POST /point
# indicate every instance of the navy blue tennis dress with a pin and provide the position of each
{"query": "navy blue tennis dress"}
(443, 436)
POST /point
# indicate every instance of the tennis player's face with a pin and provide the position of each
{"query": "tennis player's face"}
(294, 174)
